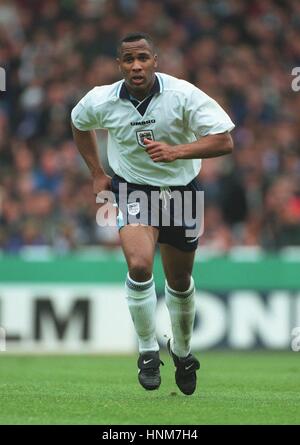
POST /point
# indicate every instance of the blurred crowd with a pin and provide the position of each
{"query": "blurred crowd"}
(239, 52)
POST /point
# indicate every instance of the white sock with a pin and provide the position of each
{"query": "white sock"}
(141, 299)
(181, 306)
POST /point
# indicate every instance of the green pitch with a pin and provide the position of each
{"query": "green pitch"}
(233, 388)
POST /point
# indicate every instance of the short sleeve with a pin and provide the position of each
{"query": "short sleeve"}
(83, 115)
(205, 116)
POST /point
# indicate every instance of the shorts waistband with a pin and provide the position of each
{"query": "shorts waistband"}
(151, 187)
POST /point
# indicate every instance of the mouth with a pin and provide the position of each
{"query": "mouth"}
(137, 80)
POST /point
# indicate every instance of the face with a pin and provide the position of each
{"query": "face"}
(137, 64)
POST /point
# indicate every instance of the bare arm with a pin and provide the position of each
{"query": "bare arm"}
(86, 143)
(209, 146)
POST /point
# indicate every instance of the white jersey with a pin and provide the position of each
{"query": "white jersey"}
(176, 112)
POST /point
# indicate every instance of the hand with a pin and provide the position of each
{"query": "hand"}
(160, 151)
(101, 182)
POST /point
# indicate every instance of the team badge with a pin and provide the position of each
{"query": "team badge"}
(133, 208)
(144, 134)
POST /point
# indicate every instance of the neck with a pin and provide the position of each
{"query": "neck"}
(140, 95)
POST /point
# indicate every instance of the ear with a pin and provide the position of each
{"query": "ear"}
(119, 63)
(155, 61)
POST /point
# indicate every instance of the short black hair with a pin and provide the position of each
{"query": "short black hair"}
(134, 37)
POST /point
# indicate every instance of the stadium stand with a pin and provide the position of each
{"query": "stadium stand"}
(241, 53)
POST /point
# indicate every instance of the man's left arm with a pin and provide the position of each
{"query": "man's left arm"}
(210, 146)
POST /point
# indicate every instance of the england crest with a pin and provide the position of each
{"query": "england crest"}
(133, 208)
(144, 134)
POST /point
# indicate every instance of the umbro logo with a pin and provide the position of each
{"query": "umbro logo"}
(150, 121)
(147, 361)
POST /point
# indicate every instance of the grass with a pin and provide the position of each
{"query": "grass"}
(233, 388)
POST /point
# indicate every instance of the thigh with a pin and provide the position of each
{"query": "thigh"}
(178, 266)
(138, 243)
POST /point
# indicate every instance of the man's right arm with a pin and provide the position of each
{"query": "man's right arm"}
(86, 143)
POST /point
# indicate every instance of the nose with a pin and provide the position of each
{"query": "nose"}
(136, 66)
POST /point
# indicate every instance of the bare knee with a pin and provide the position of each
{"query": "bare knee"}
(140, 269)
(180, 281)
